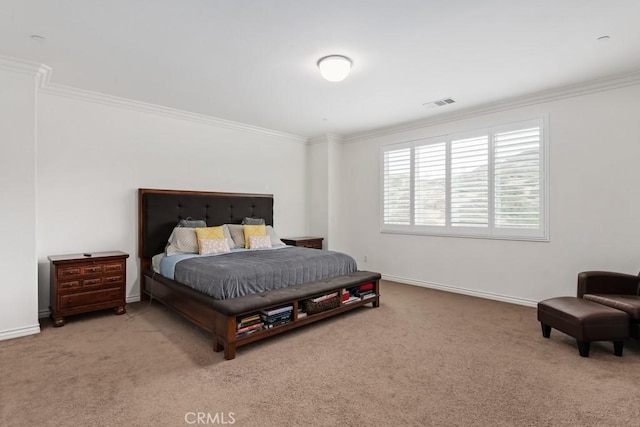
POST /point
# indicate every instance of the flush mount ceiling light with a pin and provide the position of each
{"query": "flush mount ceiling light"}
(334, 68)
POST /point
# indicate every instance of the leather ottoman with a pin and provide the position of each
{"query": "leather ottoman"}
(585, 321)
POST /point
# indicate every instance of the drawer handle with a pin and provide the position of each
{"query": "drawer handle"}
(112, 279)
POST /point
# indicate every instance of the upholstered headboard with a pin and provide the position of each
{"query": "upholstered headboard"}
(160, 210)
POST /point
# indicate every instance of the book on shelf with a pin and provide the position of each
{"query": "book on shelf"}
(324, 297)
(273, 311)
(269, 325)
(351, 299)
(244, 334)
(256, 326)
(248, 318)
(301, 314)
(367, 295)
(362, 294)
(242, 324)
(279, 316)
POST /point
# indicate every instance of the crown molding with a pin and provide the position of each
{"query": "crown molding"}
(571, 91)
(41, 72)
(140, 106)
(326, 138)
(43, 76)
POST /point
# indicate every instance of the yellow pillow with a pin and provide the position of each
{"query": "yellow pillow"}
(253, 230)
(208, 233)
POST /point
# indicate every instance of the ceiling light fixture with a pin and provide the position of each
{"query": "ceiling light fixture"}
(335, 68)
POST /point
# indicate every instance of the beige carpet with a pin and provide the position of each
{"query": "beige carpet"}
(423, 358)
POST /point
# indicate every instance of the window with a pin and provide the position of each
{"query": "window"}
(485, 183)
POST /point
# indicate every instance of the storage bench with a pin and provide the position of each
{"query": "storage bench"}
(231, 310)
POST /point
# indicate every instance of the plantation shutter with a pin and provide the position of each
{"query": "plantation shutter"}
(397, 187)
(517, 192)
(470, 182)
(430, 184)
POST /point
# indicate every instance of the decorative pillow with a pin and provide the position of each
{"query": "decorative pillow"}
(236, 234)
(253, 221)
(209, 233)
(227, 235)
(257, 242)
(275, 240)
(183, 240)
(252, 230)
(192, 223)
(213, 246)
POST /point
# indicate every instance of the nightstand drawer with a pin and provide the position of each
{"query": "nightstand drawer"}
(75, 284)
(65, 272)
(113, 279)
(88, 298)
(92, 269)
(94, 281)
(314, 244)
(114, 267)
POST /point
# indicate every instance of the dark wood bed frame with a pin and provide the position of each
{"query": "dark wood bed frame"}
(160, 210)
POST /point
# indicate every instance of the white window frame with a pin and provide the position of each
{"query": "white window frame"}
(491, 231)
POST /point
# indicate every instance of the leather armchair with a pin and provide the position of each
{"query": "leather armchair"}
(617, 290)
(606, 282)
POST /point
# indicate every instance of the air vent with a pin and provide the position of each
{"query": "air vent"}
(439, 103)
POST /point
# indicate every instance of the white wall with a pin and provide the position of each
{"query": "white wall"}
(18, 287)
(93, 157)
(594, 206)
(324, 184)
(318, 188)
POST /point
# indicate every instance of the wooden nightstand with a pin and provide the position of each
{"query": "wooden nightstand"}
(305, 242)
(82, 283)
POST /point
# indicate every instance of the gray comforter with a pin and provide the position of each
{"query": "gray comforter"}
(242, 273)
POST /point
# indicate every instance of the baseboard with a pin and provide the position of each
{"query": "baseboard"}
(19, 332)
(464, 291)
(133, 298)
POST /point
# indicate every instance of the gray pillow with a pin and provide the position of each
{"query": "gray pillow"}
(237, 234)
(192, 223)
(253, 221)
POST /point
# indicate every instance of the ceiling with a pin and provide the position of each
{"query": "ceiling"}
(254, 61)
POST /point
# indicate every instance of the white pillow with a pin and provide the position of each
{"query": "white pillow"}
(183, 240)
(227, 235)
(214, 246)
(258, 242)
(275, 240)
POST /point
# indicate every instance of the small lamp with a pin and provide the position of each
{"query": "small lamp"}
(334, 68)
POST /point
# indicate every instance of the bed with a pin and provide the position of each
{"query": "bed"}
(281, 281)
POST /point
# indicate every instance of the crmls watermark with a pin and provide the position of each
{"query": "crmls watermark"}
(212, 418)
